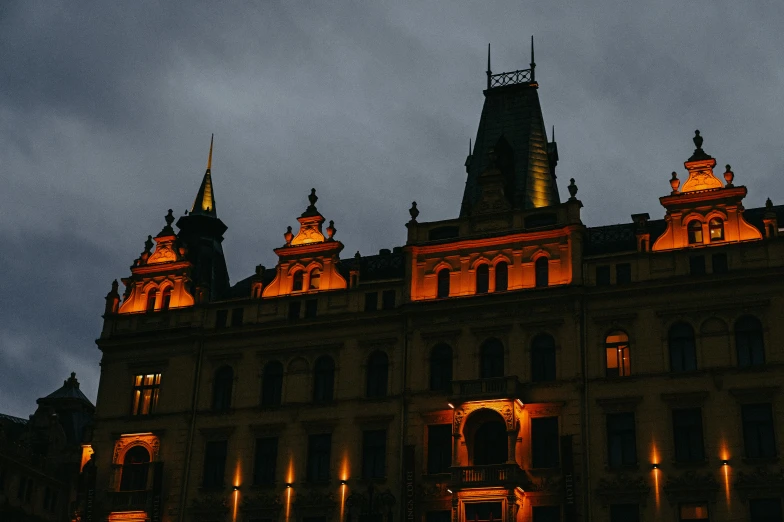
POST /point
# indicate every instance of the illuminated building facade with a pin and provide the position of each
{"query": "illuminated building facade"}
(511, 364)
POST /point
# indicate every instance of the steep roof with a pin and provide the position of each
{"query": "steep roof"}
(204, 204)
(69, 390)
(512, 126)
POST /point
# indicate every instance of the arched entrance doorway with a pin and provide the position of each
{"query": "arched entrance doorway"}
(487, 438)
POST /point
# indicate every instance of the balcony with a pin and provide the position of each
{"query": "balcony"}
(504, 475)
(494, 388)
(130, 500)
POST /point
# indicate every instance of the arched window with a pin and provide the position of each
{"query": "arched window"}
(501, 277)
(297, 281)
(441, 367)
(695, 232)
(749, 341)
(152, 295)
(542, 270)
(315, 279)
(491, 443)
(323, 379)
(683, 354)
(222, 384)
(443, 283)
(492, 359)
(618, 361)
(135, 468)
(166, 298)
(543, 358)
(716, 229)
(482, 279)
(272, 384)
(377, 374)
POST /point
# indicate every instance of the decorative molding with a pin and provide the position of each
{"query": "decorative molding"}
(150, 366)
(544, 409)
(623, 489)
(268, 506)
(267, 429)
(382, 342)
(619, 404)
(686, 399)
(223, 357)
(754, 394)
(434, 491)
(315, 503)
(210, 506)
(312, 427)
(374, 420)
(439, 335)
(220, 432)
(614, 318)
(691, 486)
(719, 306)
(480, 331)
(503, 407)
(149, 441)
(760, 483)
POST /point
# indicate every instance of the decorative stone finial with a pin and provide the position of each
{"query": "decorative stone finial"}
(312, 197)
(260, 270)
(697, 139)
(413, 211)
(768, 204)
(331, 230)
(572, 189)
(148, 244)
(169, 218)
(288, 236)
(116, 285)
(729, 175)
(675, 182)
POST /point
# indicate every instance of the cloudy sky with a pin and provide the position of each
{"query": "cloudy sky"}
(106, 112)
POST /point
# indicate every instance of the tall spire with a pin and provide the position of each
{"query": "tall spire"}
(489, 71)
(533, 62)
(204, 204)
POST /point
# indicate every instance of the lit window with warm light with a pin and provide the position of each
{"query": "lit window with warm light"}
(315, 279)
(145, 393)
(618, 358)
(694, 230)
(716, 229)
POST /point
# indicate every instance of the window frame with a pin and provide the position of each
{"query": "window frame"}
(745, 337)
(688, 435)
(439, 452)
(138, 400)
(377, 375)
(716, 227)
(374, 454)
(265, 462)
(545, 442)
(222, 388)
(319, 459)
(482, 279)
(491, 359)
(682, 347)
(272, 384)
(443, 284)
(324, 380)
(444, 362)
(758, 429)
(501, 276)
(622, 350)
(694, 232)
(213, 475)
(542, 272)
(543, 360)
(625, 436)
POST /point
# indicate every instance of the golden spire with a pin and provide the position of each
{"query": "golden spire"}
(205, 200)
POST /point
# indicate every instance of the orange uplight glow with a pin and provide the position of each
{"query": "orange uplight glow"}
(344, 473)
(87, 452)
(289, 482)
(725, 468)
(656, 472)
(237, 478)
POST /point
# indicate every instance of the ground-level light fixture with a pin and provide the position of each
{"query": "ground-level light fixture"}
(288, 485)
(725, 462)
(655, 466)
(343, 482)
(235, 488)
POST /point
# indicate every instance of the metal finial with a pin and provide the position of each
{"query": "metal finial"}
(169, 218)
(470, 146)
(489, 71)
(413, 211)
(312, 197)
(553, 133)
(572, 189)
(533, 62)
(209, 158)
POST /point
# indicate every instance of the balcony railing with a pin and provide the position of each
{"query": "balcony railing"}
(510, 78)
(496, 387)
(490, 475)
(130, 500)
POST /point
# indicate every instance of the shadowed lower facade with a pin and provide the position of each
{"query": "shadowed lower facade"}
(511, 364)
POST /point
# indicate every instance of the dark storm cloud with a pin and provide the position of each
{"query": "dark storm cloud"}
(106, 112)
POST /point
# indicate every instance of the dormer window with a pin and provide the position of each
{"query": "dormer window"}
(315, 279)
(716, 229)
(298, 281)
(695, 232)
(152, 295)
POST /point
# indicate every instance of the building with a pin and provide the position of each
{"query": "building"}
(510, 364)
(41, 458)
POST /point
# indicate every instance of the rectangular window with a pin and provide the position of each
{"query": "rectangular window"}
(621, 440)
(697, 265)
(758, 435)
(215, 463)
(294, 310)
(266, 461)
(765, 510)
(719, 262)
(545, 442)
(311, 308)
(546, 513)
(371, 301)
(439, 448)
(319, 449)
(624, 513)
(483, 511)
(388, 299)
(145, 393)
(374, 451)
(602, 275)
(623, 273)
(221, 318)
(236, 316)
(687, 435)
(693, 511)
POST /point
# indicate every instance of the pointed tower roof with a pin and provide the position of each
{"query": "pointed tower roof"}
(205, 198)
(69, 390)
(512, 124)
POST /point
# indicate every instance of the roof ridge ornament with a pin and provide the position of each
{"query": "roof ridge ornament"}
(700, 166)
